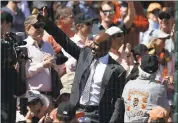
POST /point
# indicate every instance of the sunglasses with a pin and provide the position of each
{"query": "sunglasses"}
(38, 25)
(108, 12)
(164, 16)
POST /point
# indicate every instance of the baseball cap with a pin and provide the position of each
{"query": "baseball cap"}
(67, 79)
(154, 34)
(83, 18)
(153, 6)
(34, 20)
(140, 49)
(166, 13)
(149, 63)
(64, 90)
(33, 94)
(113, 30)
(66, 111)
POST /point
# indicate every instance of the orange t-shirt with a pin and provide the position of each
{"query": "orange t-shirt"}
(140, 23)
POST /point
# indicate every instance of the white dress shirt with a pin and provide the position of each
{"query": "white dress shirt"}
(96, 86)
(38, 77)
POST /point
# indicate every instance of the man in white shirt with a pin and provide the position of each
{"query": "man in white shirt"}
(41, 57)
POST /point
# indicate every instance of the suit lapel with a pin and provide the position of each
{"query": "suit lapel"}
(106, 77)
(86, 63)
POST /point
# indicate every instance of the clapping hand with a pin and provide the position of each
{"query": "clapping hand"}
(48, 60)
(45, 119)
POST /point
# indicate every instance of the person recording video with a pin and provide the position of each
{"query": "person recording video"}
(12, 82)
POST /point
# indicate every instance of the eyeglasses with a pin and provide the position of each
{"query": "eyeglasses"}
(164, 16)
(108, 12)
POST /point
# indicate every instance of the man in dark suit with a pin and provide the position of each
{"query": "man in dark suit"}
(99, 80)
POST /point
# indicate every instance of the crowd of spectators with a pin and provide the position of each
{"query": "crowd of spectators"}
(95, 61)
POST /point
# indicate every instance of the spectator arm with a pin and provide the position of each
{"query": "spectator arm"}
(128, 20)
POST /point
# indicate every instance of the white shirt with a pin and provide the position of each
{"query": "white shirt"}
(38, 77)
(72, 62)
(96, 86)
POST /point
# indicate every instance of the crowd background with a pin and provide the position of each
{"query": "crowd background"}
(136, 29)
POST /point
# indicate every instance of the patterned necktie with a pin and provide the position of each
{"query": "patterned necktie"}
(86, 91)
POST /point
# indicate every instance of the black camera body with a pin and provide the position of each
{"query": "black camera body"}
(11, 53)
(13, 83)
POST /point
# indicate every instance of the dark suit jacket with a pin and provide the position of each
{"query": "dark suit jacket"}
(112, 83)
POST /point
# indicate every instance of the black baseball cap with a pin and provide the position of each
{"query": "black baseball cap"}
(66, 111)
(140, 49)
(166, 14)
(149, 63)
(84, 18)
(33, 20)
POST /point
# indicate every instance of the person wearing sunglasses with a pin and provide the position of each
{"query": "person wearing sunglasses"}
(152, 15)
(167, 24)
(41, 68)
(117, 41)
(106, 15)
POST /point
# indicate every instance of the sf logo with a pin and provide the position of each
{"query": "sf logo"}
(135, 102)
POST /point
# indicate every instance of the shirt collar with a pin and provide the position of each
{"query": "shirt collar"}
(77, 39)
(104, 59)
(31, 41)
(102, 28)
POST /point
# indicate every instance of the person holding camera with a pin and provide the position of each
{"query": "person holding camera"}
(12, 82)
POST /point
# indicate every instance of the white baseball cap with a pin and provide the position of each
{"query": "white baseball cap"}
(113, 30)
(34, 94)
(155, 34)
(158, 34)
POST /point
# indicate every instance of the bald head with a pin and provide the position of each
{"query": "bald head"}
(101, 37)
(101, 44)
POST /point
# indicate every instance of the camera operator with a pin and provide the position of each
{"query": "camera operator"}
(12, 82)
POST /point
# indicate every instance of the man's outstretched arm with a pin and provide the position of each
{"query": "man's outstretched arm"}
(62, 39)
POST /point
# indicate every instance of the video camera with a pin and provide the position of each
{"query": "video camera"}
(11, 53)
